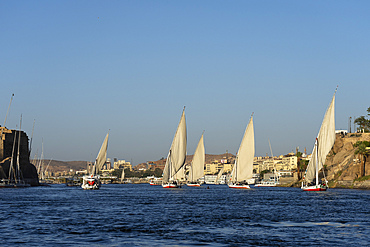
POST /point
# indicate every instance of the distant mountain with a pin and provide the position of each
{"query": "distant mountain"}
(60, 166)
(208, 159)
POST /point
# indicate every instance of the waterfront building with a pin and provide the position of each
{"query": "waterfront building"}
(122, 164)
(290, 161)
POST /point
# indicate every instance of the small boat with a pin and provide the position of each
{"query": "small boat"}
(239, 185)
(197, 165)
(170, 185)
(266, 183)
(176, 155)
(193, 184)
(155, 182)
(243, 167)
(270, 182)
(323, 144)
(92, 181)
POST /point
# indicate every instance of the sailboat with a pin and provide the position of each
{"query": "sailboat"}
(176, 155)
(197, 165)
(123, 175)
(323, 144)
(92, 181)
(270, 182)
(243, 167)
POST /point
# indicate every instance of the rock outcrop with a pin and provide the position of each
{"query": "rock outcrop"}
(343, 165)
(7, 141)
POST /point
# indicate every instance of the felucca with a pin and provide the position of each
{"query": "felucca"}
(176, 155)
(197, 165)
(123, 175)
(243, 167)
(92, 181)
(323, 144)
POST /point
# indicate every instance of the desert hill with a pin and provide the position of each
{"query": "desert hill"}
(61, 166)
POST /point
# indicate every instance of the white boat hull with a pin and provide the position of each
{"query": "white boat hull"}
(239, 186)
(193, 185)
(265, 185)
(91, 182)
(170, 186)
(318, 187)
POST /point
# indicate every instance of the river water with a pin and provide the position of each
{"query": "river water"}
(144, 215)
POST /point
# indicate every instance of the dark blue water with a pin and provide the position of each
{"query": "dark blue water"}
(144, 215)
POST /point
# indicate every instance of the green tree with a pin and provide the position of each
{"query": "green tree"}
(158, 172)
(363, 153)
(363, 123)
(263, 173)
(299, 156)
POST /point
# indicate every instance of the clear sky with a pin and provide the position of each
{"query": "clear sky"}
(80, 68)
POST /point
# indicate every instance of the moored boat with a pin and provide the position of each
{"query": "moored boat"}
(323, 144)
(270, 183)
(176, 155)
(197, 165)
(92, 181)
(243, 167)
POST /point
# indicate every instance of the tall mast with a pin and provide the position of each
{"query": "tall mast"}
(273, 162)
(6, 116)
(18, 153)
(11, 168)
(33, 127)
(317, 162)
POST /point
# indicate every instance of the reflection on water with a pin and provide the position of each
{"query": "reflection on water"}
(143, 215)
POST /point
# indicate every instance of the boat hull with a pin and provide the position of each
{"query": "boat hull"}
(170, 186)
(265, 185)
(314, 188)
(91, 183)
(239, 186)
(193, 185)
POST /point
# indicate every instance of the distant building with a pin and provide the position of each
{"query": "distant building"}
(290, 161)
(122, 164)
(215, 167)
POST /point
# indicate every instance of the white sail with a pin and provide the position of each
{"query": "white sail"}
(243, 167)
(219, 174)
(177, 154)
(102, 155)
(180, 174)
(325, 141)
(197, 165)
(123, 174)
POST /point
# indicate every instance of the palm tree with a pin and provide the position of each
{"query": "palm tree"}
(363, 151)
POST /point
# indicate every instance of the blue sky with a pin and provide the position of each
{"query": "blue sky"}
(80, 68)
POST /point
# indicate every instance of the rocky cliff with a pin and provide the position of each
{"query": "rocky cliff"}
(7, 141)
(343, 165)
